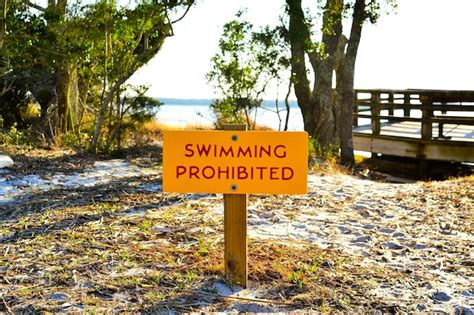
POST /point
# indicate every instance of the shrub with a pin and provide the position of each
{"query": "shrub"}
(13, 136)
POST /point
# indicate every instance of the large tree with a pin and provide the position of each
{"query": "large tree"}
(75, 57)
(327, 114)
(132, 37)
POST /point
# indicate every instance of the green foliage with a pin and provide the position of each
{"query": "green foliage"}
(246, 63)
(322, 152)
(130, 111)
(228, 111)
(377, 8)
(138, 105)
(73, 61)
(13, 136)
(74, 140)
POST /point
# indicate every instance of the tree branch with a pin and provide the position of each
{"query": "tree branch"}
(185, 13)
(36, 6)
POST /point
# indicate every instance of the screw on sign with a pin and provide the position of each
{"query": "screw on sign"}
(235, 162)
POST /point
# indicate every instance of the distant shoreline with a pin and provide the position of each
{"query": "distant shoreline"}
(208, 101)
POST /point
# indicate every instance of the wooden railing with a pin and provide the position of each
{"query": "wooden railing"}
(436, 107)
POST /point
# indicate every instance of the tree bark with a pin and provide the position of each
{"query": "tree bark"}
(3, 22)
(66, 82)
(340, 54)
(346, 88)
(4, 60)
(298, 35)
(315, 105)
(62, 91)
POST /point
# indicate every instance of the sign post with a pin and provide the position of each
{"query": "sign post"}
(235, 162)
(235, 232)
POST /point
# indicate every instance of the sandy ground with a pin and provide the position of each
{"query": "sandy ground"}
(423, 231)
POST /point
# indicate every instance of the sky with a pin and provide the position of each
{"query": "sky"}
(425, 44)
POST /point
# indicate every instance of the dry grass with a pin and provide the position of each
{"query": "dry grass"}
(97, 258)
(151, 131)
(118, 248)
(154, 128)
(115, 248)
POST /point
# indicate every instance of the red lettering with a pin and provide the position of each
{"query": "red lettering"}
(180, 170)
(189, 148)
(193, 171)
(203, 150)
(267, 151)
(261, 168)
(280, 155)
(212, 173)
(289, 173)
(242, 172)
(242, 152)
(230, 151)
(221, 171)
(273, 171)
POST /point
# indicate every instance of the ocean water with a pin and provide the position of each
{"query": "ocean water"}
(185, 114)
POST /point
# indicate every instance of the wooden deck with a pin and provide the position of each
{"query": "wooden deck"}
(422, 124)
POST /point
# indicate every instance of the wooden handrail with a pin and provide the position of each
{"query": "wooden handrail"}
(439, 107)
(428, 101)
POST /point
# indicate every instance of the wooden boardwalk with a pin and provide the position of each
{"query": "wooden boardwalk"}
(421, 124)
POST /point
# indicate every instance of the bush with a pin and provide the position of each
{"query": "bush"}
(231, 111)
(13, 136)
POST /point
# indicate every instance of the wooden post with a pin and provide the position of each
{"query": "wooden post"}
(426, 132)
(355, 110)
(441, 124)
(391, 105)
(235, 230)
(375, 111)
(406, 104)
(426, 115)
(375, 116)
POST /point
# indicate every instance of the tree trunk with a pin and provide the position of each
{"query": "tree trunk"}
(4, 62)
(103, 109)
(336, 108)
(68, 96)
(315, 105)
(346, 86)
(323, 67)
(100, 121)
(62, 91)
(66, 81)
(3, 21)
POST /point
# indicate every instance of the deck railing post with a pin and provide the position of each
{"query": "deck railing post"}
(391, 105)
(406, 104)
(426, 115)
(375, 113)
(355, 110)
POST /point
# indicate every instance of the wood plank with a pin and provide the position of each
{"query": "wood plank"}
(460, 151)
(458, 120)
(389, 117)
(439, 107)
(413, 136)
(386, 146)
(235, 238)
(235, 232)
